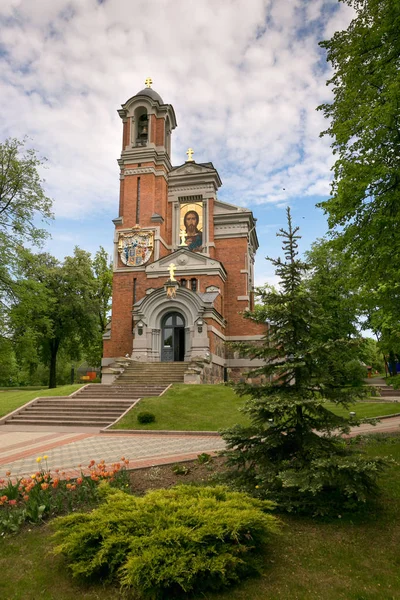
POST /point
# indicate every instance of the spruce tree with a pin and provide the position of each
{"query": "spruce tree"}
(292, 451)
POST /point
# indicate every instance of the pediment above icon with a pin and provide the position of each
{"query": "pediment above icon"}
(192, 173)
(186, 263)
(190, 167)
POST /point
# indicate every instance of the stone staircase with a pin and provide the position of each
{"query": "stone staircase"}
(156, 373)
(95, 405)
(388, 392)
(99, 405)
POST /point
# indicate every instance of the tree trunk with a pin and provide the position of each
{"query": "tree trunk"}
(54, 344)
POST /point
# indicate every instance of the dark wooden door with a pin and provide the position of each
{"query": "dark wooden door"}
(173, 338)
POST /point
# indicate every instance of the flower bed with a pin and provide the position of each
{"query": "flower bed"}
(46, 493)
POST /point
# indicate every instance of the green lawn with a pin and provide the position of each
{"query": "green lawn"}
(191, 408)
(10, 400)
(215, 407)
(346, 559)
(367, 409)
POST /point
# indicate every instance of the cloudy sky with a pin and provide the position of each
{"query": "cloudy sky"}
(244, 78)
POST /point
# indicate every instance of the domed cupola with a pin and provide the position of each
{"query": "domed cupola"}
(148, 122)
(148, 91)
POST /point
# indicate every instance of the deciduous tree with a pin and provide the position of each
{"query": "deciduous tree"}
(364, 209)
(23, 203)
(57, 306)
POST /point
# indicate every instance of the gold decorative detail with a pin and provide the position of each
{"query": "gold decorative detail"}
(148, 82)
(182, 235)
(171, 291)
(135, 247)
(171, 269)
(190, 153)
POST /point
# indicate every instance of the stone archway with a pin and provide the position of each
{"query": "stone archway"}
(152, 312)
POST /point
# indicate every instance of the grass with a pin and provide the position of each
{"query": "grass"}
(189, 407)
(11, 400)
(346, 559)
(366, 409)
(215, 407)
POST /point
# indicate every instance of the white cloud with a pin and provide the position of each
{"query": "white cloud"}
(244, 79)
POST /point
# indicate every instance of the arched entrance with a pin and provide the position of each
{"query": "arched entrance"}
(173, 337)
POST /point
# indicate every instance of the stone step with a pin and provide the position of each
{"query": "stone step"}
(162, 381)
(96, 402)
(59, 422)
(123, 387)
(69, 411)
(114, 393)
(55, 418)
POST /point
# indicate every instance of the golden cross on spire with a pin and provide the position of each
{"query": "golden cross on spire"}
(190, 155)
(148, 82)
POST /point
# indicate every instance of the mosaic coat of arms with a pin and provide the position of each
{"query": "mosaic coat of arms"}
(135, 247)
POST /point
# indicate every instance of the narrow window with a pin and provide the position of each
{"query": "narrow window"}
(183, 283)
(134, 290)
(193, 285)
(138, 201)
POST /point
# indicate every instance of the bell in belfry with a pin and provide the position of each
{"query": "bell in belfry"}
(143, 128)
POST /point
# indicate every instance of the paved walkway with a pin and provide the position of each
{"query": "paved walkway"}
(67, 450)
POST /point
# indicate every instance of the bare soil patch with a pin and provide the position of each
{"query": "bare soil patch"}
(166, 476)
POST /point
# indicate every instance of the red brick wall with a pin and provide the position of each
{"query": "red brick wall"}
(121, 322)
(232, 253)
(160, 131)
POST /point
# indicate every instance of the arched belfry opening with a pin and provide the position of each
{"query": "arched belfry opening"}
(173, 337)
(141, 126)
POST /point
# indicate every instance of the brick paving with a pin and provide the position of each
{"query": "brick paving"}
(67, 450)
(19, 450)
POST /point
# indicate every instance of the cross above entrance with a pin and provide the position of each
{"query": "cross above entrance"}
(148, 82)
(171, 269)
(190, 152)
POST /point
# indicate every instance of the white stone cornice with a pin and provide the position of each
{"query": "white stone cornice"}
(143, 171)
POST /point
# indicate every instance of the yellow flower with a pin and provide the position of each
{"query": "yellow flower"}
(39, 458)
(33, 476)
(45, 457)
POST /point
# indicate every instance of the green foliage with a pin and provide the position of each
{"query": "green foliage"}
(181, 469)
(59, 310)
(331, 283)
(371, 355)
(102, 271)
(8, 363)
(395, 382)
(22, 204)
(146, 417)
(364, 210)
(292, 452)
(168, 542)
(204, 458)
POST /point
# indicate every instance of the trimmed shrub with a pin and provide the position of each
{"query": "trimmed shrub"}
(169, 542)
(146, 417)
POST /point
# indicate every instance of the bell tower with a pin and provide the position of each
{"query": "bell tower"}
(145, 161)
(183, 259)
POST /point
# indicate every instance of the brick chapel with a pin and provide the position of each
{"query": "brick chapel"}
(183, 259)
